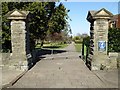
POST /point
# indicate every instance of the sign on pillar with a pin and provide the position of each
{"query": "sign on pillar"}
(101, 46)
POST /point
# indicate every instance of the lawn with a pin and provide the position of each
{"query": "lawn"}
(78, 47)
(54, 46)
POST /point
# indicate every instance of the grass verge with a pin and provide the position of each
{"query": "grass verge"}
(78, 47)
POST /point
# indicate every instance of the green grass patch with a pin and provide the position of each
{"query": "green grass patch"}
(85, 50)
(78, 47)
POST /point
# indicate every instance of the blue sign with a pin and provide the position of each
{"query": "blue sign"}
(101, 46)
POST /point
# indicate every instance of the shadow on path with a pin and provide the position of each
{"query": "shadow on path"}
(51, 47)
(40, 54)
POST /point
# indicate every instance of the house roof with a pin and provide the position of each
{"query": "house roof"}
(115, 17)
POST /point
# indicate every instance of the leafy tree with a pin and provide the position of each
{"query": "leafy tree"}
(40, 15)
(46, 18)
(58, 23)
(6, 43)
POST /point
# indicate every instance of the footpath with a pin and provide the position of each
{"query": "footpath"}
(10, 76)
(61, 70)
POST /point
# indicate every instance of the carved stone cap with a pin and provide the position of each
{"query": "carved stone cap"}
(17, 14)
(102, 13)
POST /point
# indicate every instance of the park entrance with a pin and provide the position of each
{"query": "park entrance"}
(98, 53)
(56, 67)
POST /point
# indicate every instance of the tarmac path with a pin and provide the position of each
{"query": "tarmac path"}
(61, 70)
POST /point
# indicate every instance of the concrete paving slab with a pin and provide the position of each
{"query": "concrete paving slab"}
(62, 73)
(10, 76)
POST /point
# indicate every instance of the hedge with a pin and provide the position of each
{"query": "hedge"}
(114, 40)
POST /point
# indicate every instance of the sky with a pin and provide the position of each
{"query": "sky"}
(79, 10)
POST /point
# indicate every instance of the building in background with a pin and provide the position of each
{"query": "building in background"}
(115, 21)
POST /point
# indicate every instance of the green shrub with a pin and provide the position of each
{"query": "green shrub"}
(78, 41)
(114, 40)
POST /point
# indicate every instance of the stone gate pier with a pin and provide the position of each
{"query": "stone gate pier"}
(98, 58)
(19, 39)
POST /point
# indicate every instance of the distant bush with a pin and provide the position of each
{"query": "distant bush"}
(78, 41)
(46, 42)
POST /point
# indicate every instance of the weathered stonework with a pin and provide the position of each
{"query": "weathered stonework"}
(118, 60)
(98, 57)
(113, 59)
(19, 39)
(6, 57)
